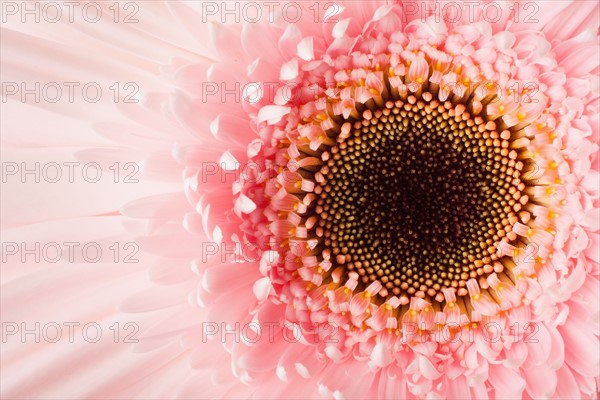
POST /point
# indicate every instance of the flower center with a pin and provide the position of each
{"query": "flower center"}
(418, 196)
(394, 189)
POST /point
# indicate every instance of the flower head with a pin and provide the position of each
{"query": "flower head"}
(411, 189)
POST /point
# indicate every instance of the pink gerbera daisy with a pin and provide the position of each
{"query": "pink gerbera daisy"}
(354, 200)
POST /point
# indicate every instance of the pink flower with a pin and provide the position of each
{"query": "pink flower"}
(382, 204)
